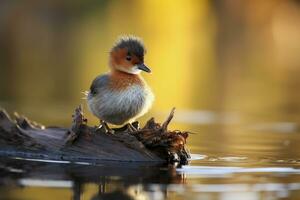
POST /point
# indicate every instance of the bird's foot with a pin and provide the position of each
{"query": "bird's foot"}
(132, 127)
(105, 127)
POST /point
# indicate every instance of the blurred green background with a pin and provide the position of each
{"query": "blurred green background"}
(236, 58)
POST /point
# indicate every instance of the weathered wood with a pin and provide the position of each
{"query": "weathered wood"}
(24, 138)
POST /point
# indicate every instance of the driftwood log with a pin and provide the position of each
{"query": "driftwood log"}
(82, 143)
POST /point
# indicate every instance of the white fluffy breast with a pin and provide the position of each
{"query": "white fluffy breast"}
(148, 101)
(118, 107)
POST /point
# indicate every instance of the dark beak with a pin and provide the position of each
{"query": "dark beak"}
(144, 68)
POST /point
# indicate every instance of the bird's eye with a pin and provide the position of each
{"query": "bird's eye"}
(128, 58)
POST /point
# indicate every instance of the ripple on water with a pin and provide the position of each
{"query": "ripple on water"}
(221, 171)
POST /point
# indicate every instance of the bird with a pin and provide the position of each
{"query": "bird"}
(121, 95)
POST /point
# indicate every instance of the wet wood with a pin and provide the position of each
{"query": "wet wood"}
(152, 143)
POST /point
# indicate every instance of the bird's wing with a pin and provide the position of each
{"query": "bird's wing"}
(99, 83)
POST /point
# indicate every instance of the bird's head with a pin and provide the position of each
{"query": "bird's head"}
(127, 55)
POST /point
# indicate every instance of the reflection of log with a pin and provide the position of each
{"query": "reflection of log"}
(26, 139)
(20, 173)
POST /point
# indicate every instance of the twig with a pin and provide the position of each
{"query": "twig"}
(164, 127)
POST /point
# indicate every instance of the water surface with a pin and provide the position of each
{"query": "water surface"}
(261, 163)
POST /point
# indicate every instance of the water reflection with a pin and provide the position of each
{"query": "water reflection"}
(110, 178)
(22, 179)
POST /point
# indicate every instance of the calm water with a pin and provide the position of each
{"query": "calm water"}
(260, 163)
